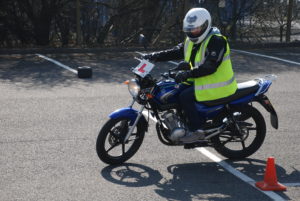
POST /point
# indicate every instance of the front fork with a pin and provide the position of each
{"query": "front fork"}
(140, 114)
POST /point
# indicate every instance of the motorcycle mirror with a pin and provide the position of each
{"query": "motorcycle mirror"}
(143, 41)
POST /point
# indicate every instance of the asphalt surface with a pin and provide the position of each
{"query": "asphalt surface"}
(50, 119)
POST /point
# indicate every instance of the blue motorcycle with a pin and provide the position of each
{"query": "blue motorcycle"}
(234, 128)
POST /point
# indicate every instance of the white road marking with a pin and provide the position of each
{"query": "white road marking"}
(266, 56)
(204, 151)
(57, 63)
(230, 169)
(237, 173)
(291, 184)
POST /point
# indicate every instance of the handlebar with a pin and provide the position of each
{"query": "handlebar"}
(168, 75)
(138, 59)
(172, 75)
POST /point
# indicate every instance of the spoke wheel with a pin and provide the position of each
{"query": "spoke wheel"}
(111, 146)
(243, 140)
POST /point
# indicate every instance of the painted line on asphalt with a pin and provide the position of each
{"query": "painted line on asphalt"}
(266, 56)
(57, 63)
(238, 174)
(230, 169)
(278, 59)
(204, 151)
(291, 184)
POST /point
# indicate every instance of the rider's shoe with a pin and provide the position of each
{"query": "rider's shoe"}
(193, 136)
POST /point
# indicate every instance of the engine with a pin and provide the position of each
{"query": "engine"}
(173, 123)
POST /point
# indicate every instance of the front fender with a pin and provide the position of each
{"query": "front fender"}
(126, 112)
(129, 113)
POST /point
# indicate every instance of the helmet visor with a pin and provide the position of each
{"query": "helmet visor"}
(195, 32)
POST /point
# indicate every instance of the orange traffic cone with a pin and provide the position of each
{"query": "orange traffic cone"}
(270, 179)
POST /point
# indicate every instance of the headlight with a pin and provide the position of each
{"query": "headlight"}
(134, 88)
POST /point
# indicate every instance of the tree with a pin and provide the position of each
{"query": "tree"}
(289, 21)
(64, 22)
(180, 8)
(40, 14)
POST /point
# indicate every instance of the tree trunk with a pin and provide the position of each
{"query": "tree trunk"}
(63, 24)
(289, 21)
(234, 20)
(42, 30)
(104, 31)
(152, 15)
(281, 32)
(78, 31)
(40, 17)
(170, 22)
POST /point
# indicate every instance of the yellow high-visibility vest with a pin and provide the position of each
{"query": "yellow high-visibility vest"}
(218, 85)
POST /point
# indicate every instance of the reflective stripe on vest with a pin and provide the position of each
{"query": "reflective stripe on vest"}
(226, 58)
(188, 46)
(217, 85)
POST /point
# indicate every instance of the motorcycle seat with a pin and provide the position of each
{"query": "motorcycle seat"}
(244, 89)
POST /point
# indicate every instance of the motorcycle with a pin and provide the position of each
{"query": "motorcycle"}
(233, 127)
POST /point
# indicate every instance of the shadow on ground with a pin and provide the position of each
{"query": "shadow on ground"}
(192, 181)
(31, 71)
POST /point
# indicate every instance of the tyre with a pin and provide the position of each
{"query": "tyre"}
(239, 144)
(110, 145)
(84, 72)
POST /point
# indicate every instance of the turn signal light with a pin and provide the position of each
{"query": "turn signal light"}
(149, 96)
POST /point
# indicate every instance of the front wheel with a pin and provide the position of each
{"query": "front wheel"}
(111, 147)
(243, 137)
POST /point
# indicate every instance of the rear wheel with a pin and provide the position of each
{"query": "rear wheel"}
(111, 147)
(244, 138)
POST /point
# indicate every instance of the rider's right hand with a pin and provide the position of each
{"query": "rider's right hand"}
(182, 76)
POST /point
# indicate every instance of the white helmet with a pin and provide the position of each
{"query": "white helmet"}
(196, 24)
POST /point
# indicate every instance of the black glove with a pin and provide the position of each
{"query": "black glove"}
(182, 76)
(183, 65)
(150, 57)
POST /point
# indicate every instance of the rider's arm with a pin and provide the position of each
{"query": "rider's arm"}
(175, 53)
(216, 49)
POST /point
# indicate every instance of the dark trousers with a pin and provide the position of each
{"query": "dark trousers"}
(187, 103)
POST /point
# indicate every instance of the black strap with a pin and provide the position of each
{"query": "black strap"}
(194, 52)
